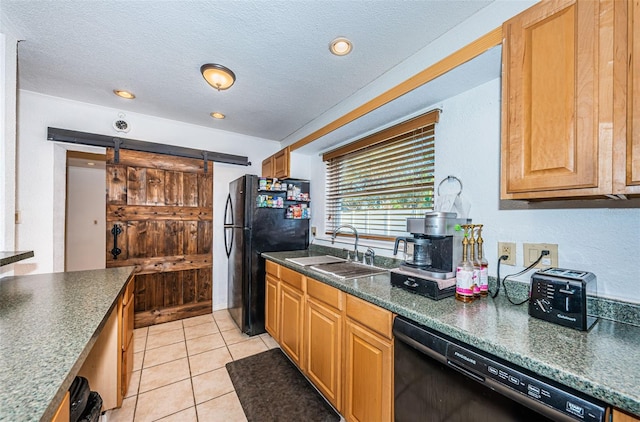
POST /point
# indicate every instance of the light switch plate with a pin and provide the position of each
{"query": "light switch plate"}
(531, 252)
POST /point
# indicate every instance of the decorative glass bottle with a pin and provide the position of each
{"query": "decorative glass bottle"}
(484, 265)
(474, 262)
(464, 272)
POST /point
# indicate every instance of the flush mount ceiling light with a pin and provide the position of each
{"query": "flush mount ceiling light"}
(218, 76)
(124, 94)
(340, 46)
(217, 115)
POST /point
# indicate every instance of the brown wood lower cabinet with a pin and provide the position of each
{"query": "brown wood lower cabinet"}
(323, 339)
(127, 337)
(291, 320)
(620, 416)
(343, 344)
(63, 414)
(368, 351)
(368, 375)
(272, 293)
(108, 366)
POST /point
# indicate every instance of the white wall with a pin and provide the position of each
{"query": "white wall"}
(8, 47)
(604, 241)
(42, 172)
(85, 225)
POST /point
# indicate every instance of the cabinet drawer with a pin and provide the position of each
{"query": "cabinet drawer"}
(369, 315)
(325, 293)
(292, 278)
(272, 268)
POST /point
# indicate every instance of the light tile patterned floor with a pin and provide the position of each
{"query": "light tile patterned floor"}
(179, 371)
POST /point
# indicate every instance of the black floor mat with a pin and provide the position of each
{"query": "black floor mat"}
(271, 388)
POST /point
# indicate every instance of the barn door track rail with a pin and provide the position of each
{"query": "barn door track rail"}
(83, 138)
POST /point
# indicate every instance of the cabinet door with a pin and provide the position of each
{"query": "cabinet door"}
(281, 164)
(127, 314)
(553, 143)
(127, 367)
(267, 167)
(633, 137)
(626, 152)
(323, 343)
(63, 414)
(291, 320)
(368, 375)
(127, 347)
(271, 307)
(619, 416)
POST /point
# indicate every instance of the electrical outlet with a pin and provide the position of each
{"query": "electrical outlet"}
(531, 252)
(313, 230)
(509, 249)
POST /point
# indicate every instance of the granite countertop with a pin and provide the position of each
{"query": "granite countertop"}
(9, 257)
(602, 363)
(48, 325)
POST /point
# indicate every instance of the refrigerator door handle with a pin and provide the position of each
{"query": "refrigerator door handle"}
(228, 212)
(228, 246)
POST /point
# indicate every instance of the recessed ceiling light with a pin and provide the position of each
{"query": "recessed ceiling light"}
(340, 46)
(217, 115)
(124, 94)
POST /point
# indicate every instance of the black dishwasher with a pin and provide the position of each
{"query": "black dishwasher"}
(438, 378)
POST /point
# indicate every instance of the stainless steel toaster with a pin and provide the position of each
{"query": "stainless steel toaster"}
(559, 295)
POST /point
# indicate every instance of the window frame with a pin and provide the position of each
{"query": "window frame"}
(420, 129)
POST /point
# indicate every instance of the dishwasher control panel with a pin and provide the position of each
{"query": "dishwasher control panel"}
(487, 369)
(545, 397)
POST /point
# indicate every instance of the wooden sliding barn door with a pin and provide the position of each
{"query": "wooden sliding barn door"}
(161, 209)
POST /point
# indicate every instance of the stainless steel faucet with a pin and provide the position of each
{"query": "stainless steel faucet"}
(371, 255)
(355, 246)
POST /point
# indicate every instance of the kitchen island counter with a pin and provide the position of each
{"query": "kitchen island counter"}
(48, 325)
(601, 363)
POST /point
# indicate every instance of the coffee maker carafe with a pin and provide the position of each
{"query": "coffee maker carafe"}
(420, 257)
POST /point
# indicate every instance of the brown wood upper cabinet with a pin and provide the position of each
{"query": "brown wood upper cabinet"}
(567, 112)
(277, 165)
(626, 152)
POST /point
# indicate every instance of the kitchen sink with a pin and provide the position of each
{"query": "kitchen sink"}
(347, 270)
(315, 260)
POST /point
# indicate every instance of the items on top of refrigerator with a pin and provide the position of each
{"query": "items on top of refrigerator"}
(274, 184)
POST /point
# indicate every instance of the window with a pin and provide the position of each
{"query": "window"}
(379, 181)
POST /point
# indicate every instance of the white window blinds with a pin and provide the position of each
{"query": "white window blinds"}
(376, 183)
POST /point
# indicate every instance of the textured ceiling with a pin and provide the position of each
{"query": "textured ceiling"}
(286, 77)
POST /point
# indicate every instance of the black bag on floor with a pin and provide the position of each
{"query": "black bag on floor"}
(78, 397)
(93, 409)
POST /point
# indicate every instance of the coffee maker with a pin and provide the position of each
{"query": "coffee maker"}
(437, 249)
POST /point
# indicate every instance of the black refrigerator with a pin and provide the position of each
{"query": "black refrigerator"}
(258, 219)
